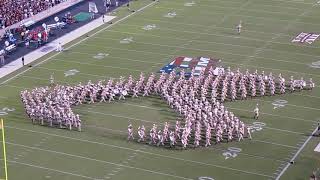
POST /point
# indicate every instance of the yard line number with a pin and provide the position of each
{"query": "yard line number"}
(5, 111)
(256, 126)
(231, 152)
(205, 178)
(315, 65)
(100, 56)
(149, 27)
(279, 103)
(71, 72)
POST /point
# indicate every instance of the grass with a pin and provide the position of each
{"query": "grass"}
(205, 29)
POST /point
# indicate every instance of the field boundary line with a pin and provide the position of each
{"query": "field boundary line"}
(82, 40)
(296, 155)
(137, 150)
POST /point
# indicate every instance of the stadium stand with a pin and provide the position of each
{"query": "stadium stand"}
(35, 23)
(12, 11)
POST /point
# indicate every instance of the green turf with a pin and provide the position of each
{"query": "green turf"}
(205, 29)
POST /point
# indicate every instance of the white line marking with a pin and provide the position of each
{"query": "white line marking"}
(277, 144)
(225, 61)
(97, 160)
(82, 40)
(140, 151)
(269, 114)
(305, 107)
(210, 50)
(213, 34)
(212, 42)
(295, 155)
(283, 130)
(50, 169)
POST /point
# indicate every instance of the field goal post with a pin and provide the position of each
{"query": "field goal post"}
(4, 150)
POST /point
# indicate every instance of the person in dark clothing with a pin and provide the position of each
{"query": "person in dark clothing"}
(22, 60)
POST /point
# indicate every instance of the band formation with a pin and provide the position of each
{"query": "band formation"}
(197, 99)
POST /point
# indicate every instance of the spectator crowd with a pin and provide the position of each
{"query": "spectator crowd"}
(13, 11)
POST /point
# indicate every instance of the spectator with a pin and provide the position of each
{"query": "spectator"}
(22, 60)
(13, 11)
(2, 60)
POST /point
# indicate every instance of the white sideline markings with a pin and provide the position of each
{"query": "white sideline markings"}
(49, 169)
(97, 160)
(82, 40)
(295, 155)
(140, 151)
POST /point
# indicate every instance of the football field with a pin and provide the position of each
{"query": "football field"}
(146, 41)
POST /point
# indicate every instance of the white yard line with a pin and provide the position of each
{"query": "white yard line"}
(283, 130)
(100, 161)
(228, 107)
(105, 66)
(218, 43)
(270, 114)
(295, 155)
(155, 122)
(59, 70)
(304, 107)
(82, 40)
(49, 169)
(140, 151)
(265, 46)
(276, 144)
(212, 42)
(221, 27)
(224, 61)
(270, 41)
(206, 12)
